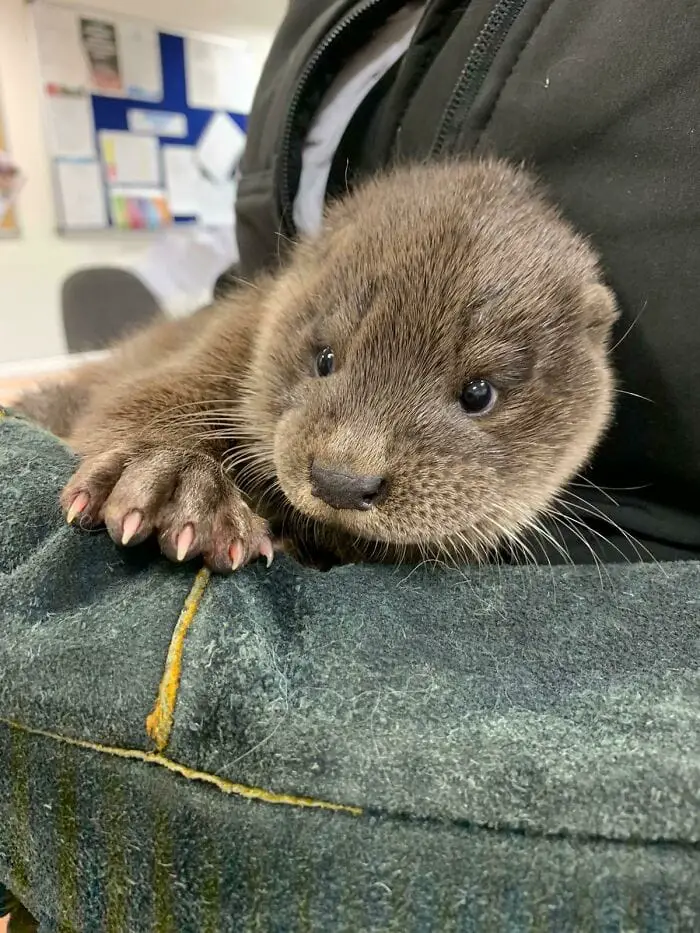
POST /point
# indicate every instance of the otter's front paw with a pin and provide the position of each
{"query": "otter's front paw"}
(183, 497)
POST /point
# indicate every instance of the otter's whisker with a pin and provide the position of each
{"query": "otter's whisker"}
(582, 505)
(565, 522)
(643, 398)
(629, 329)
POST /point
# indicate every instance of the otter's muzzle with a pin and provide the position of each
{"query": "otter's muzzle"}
(344, 490)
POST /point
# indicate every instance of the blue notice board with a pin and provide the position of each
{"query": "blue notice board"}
(110, 113)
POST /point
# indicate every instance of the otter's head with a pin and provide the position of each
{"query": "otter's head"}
(433, 368)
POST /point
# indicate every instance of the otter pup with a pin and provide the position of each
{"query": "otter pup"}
(418, 382)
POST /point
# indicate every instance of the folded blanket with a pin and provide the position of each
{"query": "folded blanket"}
(369, 749)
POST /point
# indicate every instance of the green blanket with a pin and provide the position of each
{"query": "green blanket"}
(370, 749)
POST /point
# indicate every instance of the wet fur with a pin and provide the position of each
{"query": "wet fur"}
(423, 279)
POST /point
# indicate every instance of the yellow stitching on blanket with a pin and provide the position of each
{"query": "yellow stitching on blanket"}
(159, 723)
(224, 785)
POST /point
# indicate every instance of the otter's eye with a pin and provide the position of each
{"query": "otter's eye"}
(325, 362)
(478, 397)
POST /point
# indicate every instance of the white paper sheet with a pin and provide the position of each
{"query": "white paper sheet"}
(239, 78)
(216, 203)
(80, 195)
(220, 147)
(183, 263)
(202, 74)
(139, 53)
(158, 123)
(182, 180)
(130, 159)
(70, 125)
(59, 46)
(100, 48)
(220, 76)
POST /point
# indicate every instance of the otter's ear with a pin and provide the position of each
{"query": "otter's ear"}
(600, 309)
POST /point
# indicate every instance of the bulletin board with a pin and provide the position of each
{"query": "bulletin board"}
(145, 127)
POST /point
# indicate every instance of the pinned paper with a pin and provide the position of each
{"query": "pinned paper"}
(202, 74)
(130, 159)
(141, 69)
(220, 76)
(192, 194)
(60, 50)
(70, 125)
(99, 40)
(216, 203)
(239, 81)
(81, 200)
(158, 123)
(220, 148)
(182, 180)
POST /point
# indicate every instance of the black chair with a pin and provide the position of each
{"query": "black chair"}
(101, 304)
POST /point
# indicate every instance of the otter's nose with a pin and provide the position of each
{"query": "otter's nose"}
(346, 490)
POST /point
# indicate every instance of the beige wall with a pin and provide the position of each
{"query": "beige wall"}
(33, 266)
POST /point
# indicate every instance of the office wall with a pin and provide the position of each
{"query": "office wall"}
(33, 266)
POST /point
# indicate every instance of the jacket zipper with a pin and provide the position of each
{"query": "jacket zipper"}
(479, 60)
(312, 64)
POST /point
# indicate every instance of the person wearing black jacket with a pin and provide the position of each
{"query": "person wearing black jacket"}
(601, 99)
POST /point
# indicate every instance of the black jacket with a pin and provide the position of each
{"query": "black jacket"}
(602, 99)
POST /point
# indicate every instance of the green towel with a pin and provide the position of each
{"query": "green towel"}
(369, 749)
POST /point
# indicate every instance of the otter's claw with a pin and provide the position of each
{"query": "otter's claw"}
(267, 551)
(78, 505)
(130, 526)
(237, 554)
(181, 496)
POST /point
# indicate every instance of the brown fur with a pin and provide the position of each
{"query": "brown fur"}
(423, 279)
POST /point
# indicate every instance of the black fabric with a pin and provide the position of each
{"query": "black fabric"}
(626, 169)
(601, 99)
